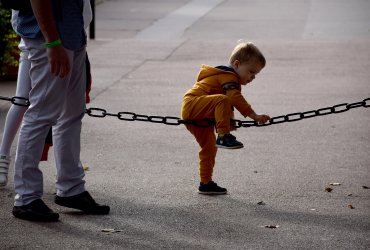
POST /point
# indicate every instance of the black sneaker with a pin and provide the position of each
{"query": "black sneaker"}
(211, 188)
(228, 141)
(83, 202)
(35, 211)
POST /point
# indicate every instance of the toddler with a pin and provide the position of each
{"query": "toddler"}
(214, 95)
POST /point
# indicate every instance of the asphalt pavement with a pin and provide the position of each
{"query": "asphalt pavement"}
(146, 55)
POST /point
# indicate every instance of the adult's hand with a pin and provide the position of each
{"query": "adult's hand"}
(59, 62)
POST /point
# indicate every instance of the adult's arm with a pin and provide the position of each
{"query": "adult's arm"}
(57, 56)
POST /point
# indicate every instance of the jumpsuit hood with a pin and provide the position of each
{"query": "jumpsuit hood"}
(208, 71)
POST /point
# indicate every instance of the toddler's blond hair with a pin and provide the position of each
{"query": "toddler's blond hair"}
(245, 51)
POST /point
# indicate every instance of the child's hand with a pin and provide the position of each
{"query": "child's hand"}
(261, 119)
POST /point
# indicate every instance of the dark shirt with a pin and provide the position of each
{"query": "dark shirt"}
(68, 18)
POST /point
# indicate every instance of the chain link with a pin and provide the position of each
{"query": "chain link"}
(175, 121)
(339, 108)
(17, 100)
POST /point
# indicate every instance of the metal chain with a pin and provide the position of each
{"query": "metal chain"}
(293, 117)
(170, 120)
(16, 100)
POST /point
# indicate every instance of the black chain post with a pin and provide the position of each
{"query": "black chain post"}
(92, 24)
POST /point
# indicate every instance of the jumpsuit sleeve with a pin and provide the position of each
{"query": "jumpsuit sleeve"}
(232, 89)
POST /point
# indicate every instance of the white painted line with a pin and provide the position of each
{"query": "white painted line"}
(175, 23)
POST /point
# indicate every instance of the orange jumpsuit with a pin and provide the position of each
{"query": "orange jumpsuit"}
(214, 95)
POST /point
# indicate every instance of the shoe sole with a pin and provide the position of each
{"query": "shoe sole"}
(102, 211)
(38, 218)
(235, 147)
(212, 193)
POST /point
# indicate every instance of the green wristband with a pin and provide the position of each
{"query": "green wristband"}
(52, 44)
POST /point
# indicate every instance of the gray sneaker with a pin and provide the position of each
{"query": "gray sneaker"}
(4, 166)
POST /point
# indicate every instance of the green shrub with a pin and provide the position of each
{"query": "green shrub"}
(8, 43)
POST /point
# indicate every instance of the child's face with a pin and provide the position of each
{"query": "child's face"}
(247, 71)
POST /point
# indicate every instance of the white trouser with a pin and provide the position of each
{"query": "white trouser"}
(55, 102)
(15, 114)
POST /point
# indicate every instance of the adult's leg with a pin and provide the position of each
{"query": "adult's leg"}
(15, 114)
(47, 97)
(66, 133)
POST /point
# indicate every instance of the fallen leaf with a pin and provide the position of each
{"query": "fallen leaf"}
(335, 184)
(328, 189)
(261, 203)
(351, 207)
(86, 168)
(272, 226)
(365, 187)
